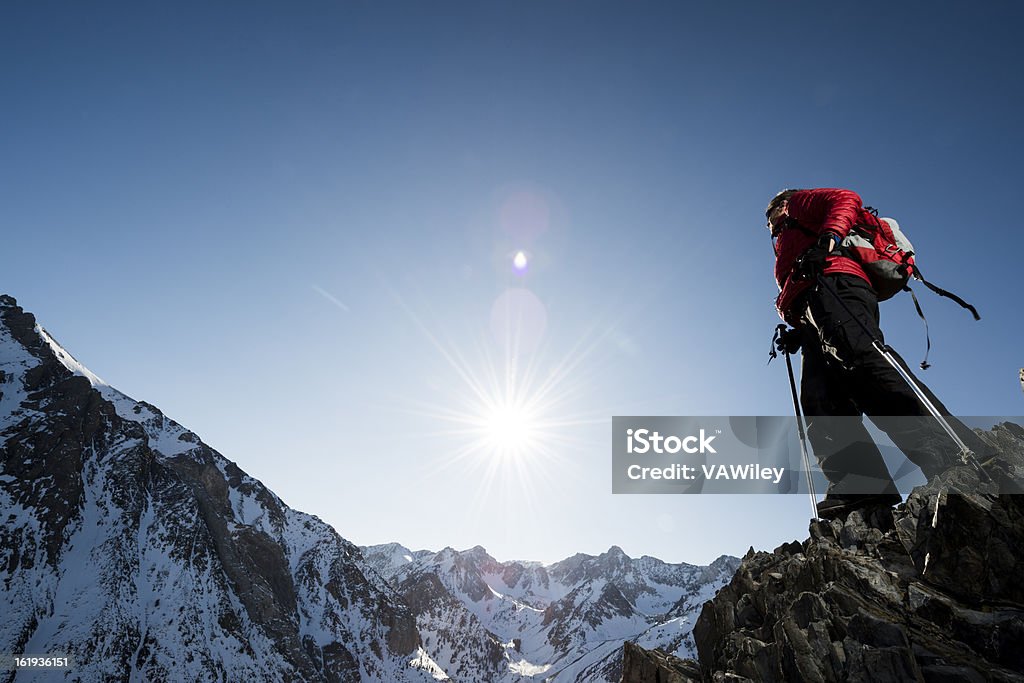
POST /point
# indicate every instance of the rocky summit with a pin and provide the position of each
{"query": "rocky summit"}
(932, 591)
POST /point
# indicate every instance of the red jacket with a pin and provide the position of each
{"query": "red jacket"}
(816, 211)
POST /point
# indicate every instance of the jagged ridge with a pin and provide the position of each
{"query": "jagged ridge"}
(485, 620)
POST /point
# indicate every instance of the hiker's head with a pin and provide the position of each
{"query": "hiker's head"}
(776, 210)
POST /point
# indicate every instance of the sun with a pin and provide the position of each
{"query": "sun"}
(508, 415)
(510, 412)
(510, 428)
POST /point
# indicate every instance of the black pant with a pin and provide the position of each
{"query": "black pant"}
(843, 376)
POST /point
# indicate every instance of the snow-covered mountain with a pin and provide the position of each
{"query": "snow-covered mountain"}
(134, 548)
(484, 620)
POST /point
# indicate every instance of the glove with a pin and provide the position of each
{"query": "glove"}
(785, 340)
(812, 262)
(788, 341)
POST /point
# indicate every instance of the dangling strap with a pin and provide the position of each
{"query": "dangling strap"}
(949, 295)
(924, 364)
(941, 292)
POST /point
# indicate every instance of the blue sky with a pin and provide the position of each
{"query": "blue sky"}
(287, 226)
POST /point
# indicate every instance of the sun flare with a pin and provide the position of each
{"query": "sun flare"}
(510, 412)
(509, 428)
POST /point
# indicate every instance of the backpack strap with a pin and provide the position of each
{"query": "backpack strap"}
(941, 292)
(928, 338)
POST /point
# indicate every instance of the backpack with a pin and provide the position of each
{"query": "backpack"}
(887, 257)
(884, 252)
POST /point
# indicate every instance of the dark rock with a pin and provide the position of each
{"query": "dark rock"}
(933, 591)
(654, 666)
(951, 674)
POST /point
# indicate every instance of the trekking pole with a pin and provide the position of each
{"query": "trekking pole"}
(800, 430)
(966, 454)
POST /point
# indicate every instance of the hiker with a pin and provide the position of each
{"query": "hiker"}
(843, 376)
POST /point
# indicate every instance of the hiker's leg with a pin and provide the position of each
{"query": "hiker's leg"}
(846, 316)
(881, 392)
(845, 451)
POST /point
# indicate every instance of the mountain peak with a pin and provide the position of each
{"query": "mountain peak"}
(479, 554)
(142, 544)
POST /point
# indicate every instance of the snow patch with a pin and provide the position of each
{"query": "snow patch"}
(67, 360)
(525, 668)
(423, 662)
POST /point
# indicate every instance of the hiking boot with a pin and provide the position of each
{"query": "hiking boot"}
(839, 505)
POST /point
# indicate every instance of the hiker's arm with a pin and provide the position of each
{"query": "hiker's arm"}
(834, 210)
